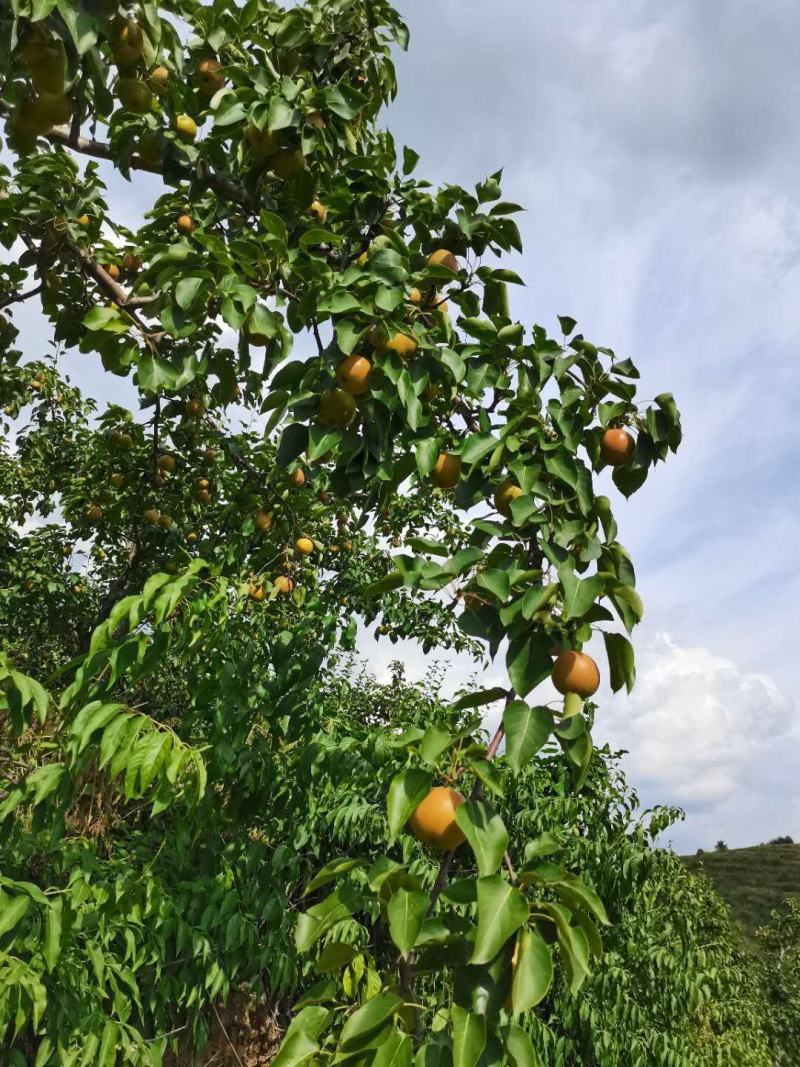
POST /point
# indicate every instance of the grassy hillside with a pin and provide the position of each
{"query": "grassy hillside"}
(752, 880)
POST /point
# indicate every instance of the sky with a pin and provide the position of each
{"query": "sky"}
(655, 147)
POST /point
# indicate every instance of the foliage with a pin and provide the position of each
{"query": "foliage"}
(781, 941)
(190, 803)
(754, 881)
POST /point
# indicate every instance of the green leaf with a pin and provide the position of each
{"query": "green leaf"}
(519, 1048)
(479, 698)
(469, 1036)
(454, 363)
(107, 1055)
(281, 114)
(106, 319)
(497, 582)
(52, 933)
(367, 1019)
(434, 742)
(395, 1051)
(410, 159)
(476, 446)
(345, 101)
(393, 580)
(462, 891)
(502, 909)
(322, 439)
(579, 895)
(332, 870)
(81, 26)
(293, 443)
(528, 662)
(527, 729)
(406, 911)
(12, 910)
(315, 922)
(621, 664)
(533, 973)
(579, 593)
(297, 1047)
(335, 955)
(426, 452)
(486, 833)
(488, 774)
(543, 845)
(407, 791)
(187, 290)
(628, 604)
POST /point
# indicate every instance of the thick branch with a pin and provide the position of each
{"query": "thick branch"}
(17, 298)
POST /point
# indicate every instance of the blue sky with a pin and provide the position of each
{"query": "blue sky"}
(655, 147)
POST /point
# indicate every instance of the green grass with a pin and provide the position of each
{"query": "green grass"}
(753, 880)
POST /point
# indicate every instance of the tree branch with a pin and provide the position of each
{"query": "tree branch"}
(17, 298)
(219, 183)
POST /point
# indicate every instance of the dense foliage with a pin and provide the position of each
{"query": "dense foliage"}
(195, 799)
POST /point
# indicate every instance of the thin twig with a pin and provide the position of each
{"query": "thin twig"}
(225, 1032)
(156, 419)
(17, 298)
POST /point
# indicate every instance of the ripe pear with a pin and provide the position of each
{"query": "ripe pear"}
(186, 128)
(208, 77)
(158, 80)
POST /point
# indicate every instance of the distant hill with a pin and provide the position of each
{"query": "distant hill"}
(753, 880)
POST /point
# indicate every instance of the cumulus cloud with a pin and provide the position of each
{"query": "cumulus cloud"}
(701, 733)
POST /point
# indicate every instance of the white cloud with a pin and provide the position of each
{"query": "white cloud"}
(696, 725)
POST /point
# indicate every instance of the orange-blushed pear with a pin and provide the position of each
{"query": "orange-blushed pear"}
(576, 672)
(443, 258)
(283, 584)
(208, 77)
(263, 520)
(353, 374)
(158, 80)
(446, 471)
(400, 343)
(617, 446)
(433, 821)
(304, 545)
